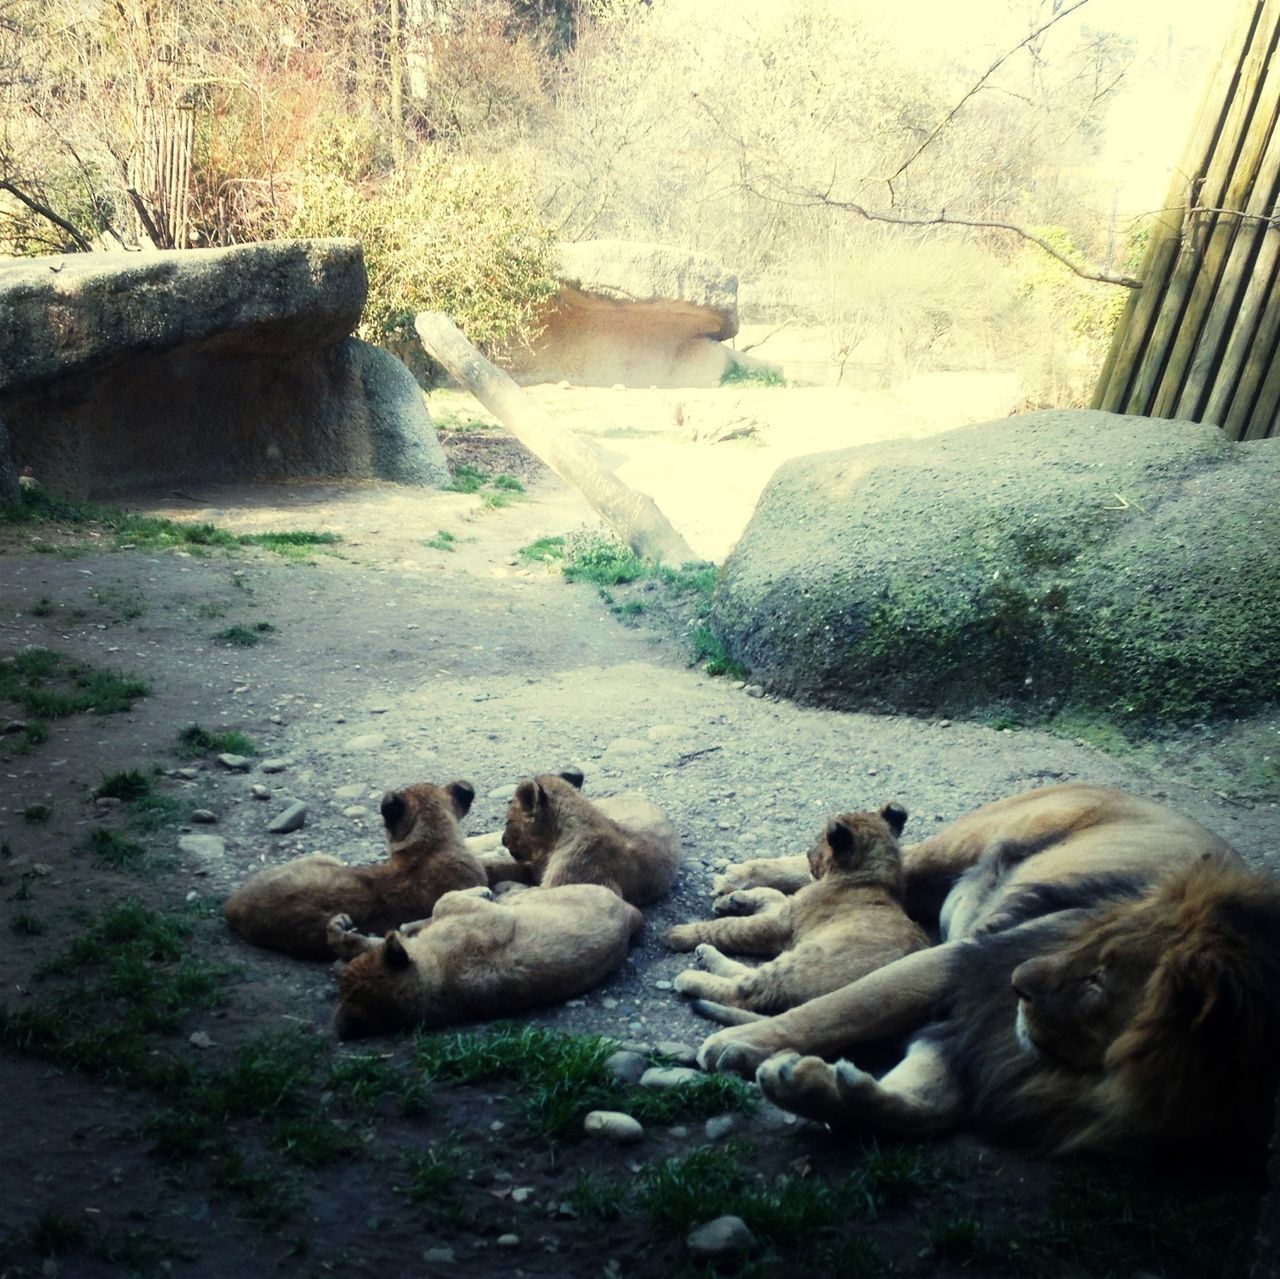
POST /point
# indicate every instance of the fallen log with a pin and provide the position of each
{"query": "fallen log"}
(633, 516)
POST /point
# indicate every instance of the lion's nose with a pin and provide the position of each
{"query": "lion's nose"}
(1023, 979)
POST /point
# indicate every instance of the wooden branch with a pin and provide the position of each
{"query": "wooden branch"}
(982, 79)
(635, 517)
(153, 234)
(47, 213)
(944, 219)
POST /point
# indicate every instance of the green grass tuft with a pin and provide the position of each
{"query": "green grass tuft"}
(743, 375)
(443, 541)
(245, 636)
(125, 786)
(195, 741)
(710, 650)
(113, 849)
(37, 814)
(543, 550)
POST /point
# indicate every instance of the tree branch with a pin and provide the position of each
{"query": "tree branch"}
(47, 213)
(982, 79)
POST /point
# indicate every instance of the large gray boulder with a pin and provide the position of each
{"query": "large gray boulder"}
(119, 370)
(637, 313)
(1114, 564)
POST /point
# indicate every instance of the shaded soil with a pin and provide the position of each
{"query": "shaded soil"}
(390, 660)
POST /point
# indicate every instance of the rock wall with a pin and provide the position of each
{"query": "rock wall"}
(119, 371)
(1060, 559)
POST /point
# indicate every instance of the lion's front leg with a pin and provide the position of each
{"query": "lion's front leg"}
(919, 1096)
(786, 874)
(894, 1000)
(764, 934)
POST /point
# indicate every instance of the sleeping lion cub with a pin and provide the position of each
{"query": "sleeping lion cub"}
(557, 836)
(844, 924)
(476, 958)
(288, 907)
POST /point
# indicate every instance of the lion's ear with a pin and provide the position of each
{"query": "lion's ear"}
(394, 954)
(463, 795)
(529, 795)
(895, 817)
(574, 777)
(841, 842)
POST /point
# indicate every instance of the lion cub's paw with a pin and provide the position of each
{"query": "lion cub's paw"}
(739, 902)
(803, 1084)
(688, 982)
(682, 937)
(339, 926)
(734, 878)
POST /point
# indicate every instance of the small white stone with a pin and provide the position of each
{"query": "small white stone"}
(234, 763)
(274, 765)
(204, 817)
(508, 1241)
(720, 1237)
(613, 1125)
(200, 1040)
(668, 1076)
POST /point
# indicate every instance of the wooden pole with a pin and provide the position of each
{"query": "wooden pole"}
(633, 516)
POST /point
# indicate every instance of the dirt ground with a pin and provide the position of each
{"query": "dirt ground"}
(383, 660)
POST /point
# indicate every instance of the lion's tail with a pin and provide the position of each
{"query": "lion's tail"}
(723, 1013)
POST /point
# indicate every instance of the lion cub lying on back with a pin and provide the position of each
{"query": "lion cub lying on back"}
(476, 959)
(846, 923)
(288, 907)
(557, 836)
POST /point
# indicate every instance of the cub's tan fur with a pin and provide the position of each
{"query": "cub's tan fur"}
(625, 843)
(1108, 979)
(844, 924)
(288, 907)
(476, 958)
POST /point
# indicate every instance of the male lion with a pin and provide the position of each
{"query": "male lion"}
(561, 837)
(288, 907)
(476, 958)
(846, 923)
(1109, 978)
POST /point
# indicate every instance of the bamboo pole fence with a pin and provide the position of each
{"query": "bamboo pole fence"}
(1200, 340)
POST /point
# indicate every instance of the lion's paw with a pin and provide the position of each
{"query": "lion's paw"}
(339, 926)
(682, 937)
(688, 982)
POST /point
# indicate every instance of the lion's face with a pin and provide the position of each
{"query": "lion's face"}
(863, 842)
(1073, 1004)
(377, 992)
(425, 812)
(533, 823)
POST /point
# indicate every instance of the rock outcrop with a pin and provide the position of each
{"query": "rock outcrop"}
(119, 370)
(1121, 565)
(635, 313)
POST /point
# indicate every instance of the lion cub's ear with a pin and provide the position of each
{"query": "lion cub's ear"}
(895, 817)
(394, 954)
(573, 777)
(840, 841)
(531, 795)
(462, 794)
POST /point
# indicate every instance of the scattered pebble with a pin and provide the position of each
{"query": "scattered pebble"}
(663, 985)
(679, 1052)
(721, 1237)
(668, 1076)
(754, 690)
(200, 1040)
(234, 763)
(521, 1193)
(355, 810)
(187, 774)
(613, 1125)
(204, 816)
(203, 847)
(354, 791)
(366, 742)
(14, 726)
(719, 1126)
(502, 793)
(274, 765)
(107, 802)
(439, 1256)
(626, 1066)
(259, 791)
(508, 1241)
(293, 818)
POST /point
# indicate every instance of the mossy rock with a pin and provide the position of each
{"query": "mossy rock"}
(1120, 565)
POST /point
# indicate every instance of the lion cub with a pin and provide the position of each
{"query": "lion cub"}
(476, 958)
(561, 837)
(848, 921)
(288, 907)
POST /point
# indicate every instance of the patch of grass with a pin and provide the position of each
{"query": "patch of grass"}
(245, 636)
(543, 550)
(120, 604)
(114, 850)
(561, 1077)
(23, 891)
(25, 924)
(212, 610)
(312, 1141)
(466, 479)
(599, 1197)
(53, 1233)
(602, 562)
(507, 483)
(291, 538)
(37, 814)
(124, 786)
(443, 541)
(743, 375)
(195, 741)
(710, 650)
(363, 1079)
(43, 607)
(433, 1177)
(47, 685)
